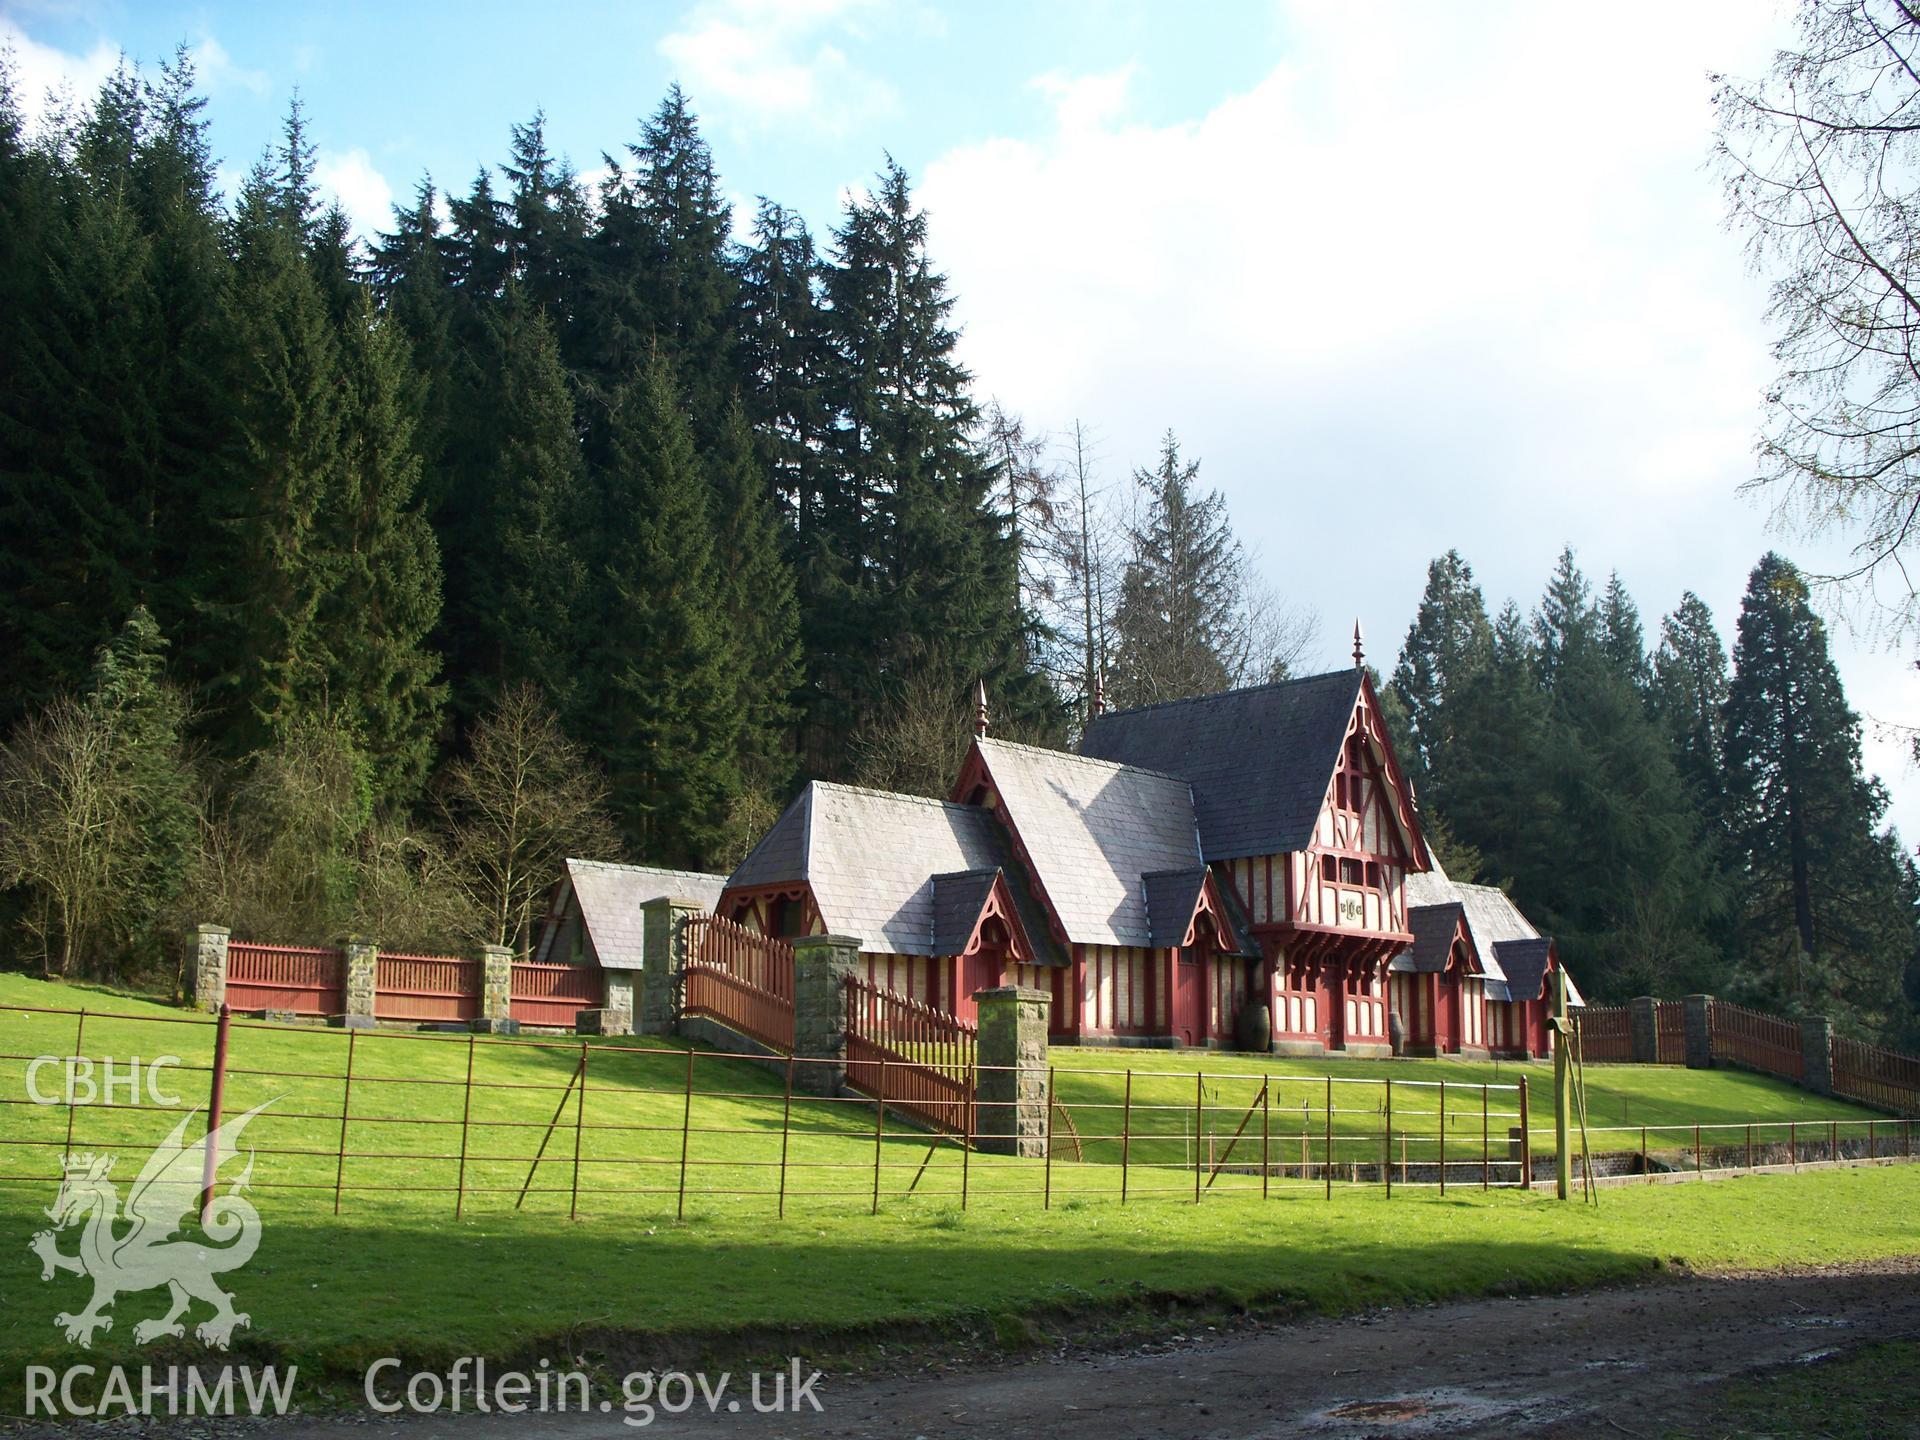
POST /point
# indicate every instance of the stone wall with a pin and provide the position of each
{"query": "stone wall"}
(1011, 1098)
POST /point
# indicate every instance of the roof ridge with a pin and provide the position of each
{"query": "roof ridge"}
(874, 794)
(1078, 758)
(1224, 694)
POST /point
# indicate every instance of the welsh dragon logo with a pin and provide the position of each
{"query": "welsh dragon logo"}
(138, 1249)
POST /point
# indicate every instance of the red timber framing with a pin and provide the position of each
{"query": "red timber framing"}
(1330, 918)
(996, 947)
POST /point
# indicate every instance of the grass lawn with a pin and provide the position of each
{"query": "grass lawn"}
(1859, 1395)
(397, 1273)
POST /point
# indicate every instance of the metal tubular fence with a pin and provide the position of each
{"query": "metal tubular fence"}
(369, 1119)
(740, 978)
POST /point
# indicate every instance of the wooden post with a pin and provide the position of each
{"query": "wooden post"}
(1645, 1169)
(879, 1132)
(1749, 1145)
(1387, 1165)
(1327, 1168)
(346, 1108)
(1833, 1141)
(1443, 1136)
(1526, 1139)
(1562, 1148)
(1873, 1151)
(1046, 1164)
(1793, 1143)
(1126, 1132)
(1698, 1169)
(1199, 1123)
(966, 1148)
(466, 1119)
(79, 1034)
(786, 1131)
(579, 1123)
(216, 1102)
(686, 1126)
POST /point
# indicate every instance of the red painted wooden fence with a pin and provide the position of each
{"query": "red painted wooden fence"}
(427, 987)
(298, 978)
(550, 994)
(1606, 1036)
(1670, 1032)
(741, 978)
(915, 1058)
(1881, 1078)
(1756, 1040)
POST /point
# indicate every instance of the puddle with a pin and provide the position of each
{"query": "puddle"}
(1386, 1410)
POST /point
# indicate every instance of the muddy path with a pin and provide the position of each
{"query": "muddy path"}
(1635, 1361)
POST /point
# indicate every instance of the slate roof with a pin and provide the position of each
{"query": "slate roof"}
(1259, 760)
(1512, 952)
(1092, 830)
(1171, 896)
(957, 901)
(870, 858)
(1433, 929)
(610, 897)
(1524, 963)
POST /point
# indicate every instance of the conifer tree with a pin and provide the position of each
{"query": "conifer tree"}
(1828, 909)
(786, 351)
(1622, 636)
(1566, 620)
(658, 706)
(1179, 592)
(1448, 642)
(1689, 696)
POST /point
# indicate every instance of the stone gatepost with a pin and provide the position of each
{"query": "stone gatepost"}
(1010, 1094)
(615, 1014)
(496, 992)
(1643, 1030)
(663, 959)
(210, 967)
(362, 970)
(822, 965)
(1816, 1053)
(1699, 1012)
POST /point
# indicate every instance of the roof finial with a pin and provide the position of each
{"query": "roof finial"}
(1099, 692)
(1359, 647)
(980, 709)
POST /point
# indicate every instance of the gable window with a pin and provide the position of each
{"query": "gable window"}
(1352, 872)
(1329, 868)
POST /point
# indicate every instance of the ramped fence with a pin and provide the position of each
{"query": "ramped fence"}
(370, 1120)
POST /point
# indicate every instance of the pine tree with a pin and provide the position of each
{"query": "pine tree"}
(1567, 619)
(1179, 591)
(1689, 696)
(545, 224)
(376, 616)
(659, 704)
(1449, 641)
(1828, 918)
(1622, 637)
(786, 351)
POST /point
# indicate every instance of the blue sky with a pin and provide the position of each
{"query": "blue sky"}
(1403, 276)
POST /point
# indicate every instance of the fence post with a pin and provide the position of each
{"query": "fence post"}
(346, 1110)
(1046, 1165)
(466, 1118)
(210, 967)
(1126, 1131)
(1698, 1168)
(359, 982)
(822, 965)
(216, 1102)
(1643, 1030)
(1387, 1156)
(1327, 1167)
(1793, 1143)
(1199, 1124)
(1266, 1124)
(786, 1130)
(966, 1140)
(1526, 1139)
(1816, 1053)
(1015, 1100)
(79, 1039)
(686, 1126)
(1443, 1134)
(496, 991)
(879, 1128)
(579, 1123)
(663, 958)
(1486, 1142)
(1699, 1019)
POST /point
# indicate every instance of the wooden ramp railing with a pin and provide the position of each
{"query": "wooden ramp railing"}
(911, 1057)
(740, 978)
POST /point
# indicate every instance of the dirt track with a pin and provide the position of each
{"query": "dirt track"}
(1624, 1361)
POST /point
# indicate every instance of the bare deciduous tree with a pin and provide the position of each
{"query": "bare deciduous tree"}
(1819, 160)
(525, 801)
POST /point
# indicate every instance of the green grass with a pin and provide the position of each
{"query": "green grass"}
(397, 1273)
(1857, 1395)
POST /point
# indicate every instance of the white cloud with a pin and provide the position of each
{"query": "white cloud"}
(42, 71)
(760, 63)
(363, 192)
(217, 71)
(1456, 279)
